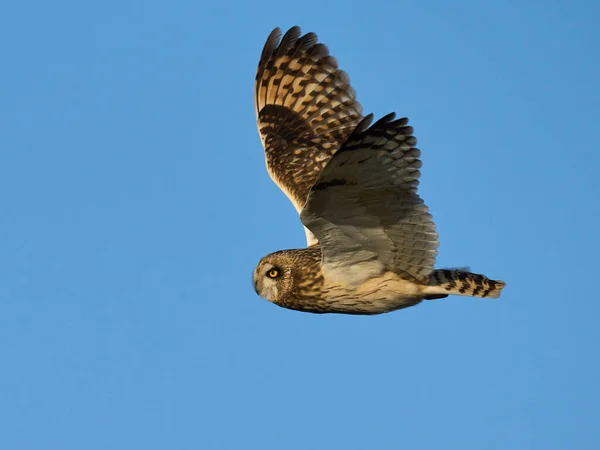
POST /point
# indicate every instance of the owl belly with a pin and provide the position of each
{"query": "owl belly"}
(377, 295)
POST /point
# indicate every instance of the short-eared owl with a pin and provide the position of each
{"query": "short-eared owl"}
(371, 240)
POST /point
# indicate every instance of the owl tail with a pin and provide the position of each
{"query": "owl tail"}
(459, 282)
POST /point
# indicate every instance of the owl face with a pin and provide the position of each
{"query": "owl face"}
(272, 279)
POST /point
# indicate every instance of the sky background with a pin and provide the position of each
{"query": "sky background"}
(135, 204)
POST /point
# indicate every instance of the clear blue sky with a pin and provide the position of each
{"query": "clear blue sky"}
(134, 205)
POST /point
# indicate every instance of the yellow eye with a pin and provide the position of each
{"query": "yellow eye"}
(273, 273)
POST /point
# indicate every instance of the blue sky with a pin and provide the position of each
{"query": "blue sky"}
(135, 204)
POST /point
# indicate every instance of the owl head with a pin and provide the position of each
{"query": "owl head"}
(274, 277)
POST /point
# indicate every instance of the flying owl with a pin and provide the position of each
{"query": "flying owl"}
(371, 242)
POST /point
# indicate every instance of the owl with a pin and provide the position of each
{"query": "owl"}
(371, 242)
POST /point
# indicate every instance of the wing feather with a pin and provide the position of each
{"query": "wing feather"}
(305, 109)
(365, 211)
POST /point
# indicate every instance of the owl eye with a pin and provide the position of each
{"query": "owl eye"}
(273, 273)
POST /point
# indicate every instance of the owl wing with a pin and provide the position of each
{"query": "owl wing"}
(305, 110)
(364, 208)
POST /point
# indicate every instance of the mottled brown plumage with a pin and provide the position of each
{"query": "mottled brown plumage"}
(372, 242)
(305, 109)
(301, 281)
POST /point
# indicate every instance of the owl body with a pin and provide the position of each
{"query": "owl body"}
(371, 242)
(301, 285)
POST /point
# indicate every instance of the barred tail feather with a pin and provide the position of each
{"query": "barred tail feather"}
(458, 282)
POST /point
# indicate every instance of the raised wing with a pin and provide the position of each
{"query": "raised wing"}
(305, 110)
(365, 211)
